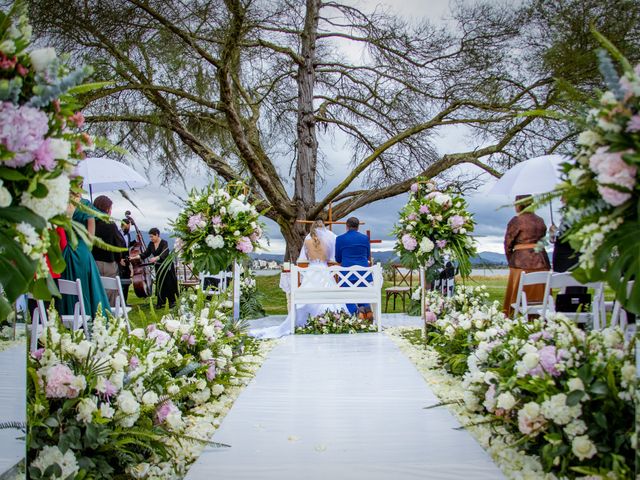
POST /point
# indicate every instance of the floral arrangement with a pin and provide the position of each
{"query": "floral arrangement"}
(434, 227)
(140, 405)
(543, 387)
(600, 187)
(217, 227)
(250, 298)
(336, 322)
(39, 150)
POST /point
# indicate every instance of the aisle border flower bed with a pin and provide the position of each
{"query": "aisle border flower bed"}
(336, 322)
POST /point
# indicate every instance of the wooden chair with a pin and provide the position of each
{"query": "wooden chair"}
(524, 306)
(38, 323)
(402, 286)
(186, 278)
(120, 309)
(562, 281)
(79, 317)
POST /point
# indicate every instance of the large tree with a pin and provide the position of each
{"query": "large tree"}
(247, 86)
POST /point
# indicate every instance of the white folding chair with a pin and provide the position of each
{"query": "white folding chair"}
(562, 281)
(214, 290)
(120, 309)
(523, 306)
(79, 317)
(38, 323)
(619, 315)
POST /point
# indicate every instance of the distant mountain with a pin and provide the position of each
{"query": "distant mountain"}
(489, 258)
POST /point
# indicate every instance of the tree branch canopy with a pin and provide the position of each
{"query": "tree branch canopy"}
(255, 89)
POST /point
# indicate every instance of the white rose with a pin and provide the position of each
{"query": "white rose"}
(531, 360)
(85, 408)
(150, 398)
(209, 331)
(609, 126)
(582, 447)
(171, 325)
(575, 384)
(8, 47)
(60, 148)
(206, 355)
(211, 200)
(173, 390)
(5, 196)
(127, 402)
(588, 138)
(81, 350)
(531, 410)
(119, 361)
(42, 58)
(506, 401)
(217, 390)
(137, 332)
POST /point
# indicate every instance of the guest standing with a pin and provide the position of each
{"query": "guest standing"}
(106, 231)
(125, 267)
(166, 279)
(81, 265)
(524, 231)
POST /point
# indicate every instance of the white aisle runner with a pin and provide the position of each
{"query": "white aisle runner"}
(13, 374)
(340, 407)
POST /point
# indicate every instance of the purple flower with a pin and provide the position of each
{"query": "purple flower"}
(537, 336)
(230, 334)
(107, 389)
(211, 372)
(430, 317)
(22, 131)
(456, 222)
(196, 221)
(634, 124)
(160, 336)
(412, 216)
(409, 242)
(164, 410)
(244, 245)
(37, 354)
(414, 187)
(548, 361)
(424, 209)
(134, 362)
(217, 220)
(441, 243)
(188, 339)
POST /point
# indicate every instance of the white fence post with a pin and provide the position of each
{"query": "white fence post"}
(423, 298)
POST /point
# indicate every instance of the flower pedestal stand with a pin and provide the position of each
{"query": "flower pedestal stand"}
(236, 291)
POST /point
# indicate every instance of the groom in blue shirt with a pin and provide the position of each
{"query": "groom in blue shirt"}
(353, 248)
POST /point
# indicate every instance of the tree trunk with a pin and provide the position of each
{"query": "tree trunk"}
(293, 234)
(307, 143)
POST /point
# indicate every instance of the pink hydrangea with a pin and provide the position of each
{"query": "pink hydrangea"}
(430, 317)
(415, 187)
(612, 169)
(456, 222)
(424, 209)
(22, 131)
(244, 245)
(549, 358)
(441, 243)
(44, 157)
(195, 221)
(408, 242)
(62, 383)
(412, 216)
(164, 410)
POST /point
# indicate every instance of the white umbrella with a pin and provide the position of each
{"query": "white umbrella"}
(104, 175)
(536, 175)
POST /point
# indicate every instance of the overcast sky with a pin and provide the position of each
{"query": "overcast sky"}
(159, 204)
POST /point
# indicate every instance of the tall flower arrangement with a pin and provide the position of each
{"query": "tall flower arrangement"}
(433, 227)
(39, 149)
(601, 189)
(216, 227)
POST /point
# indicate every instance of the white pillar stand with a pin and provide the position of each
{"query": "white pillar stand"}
(236, 291)
(423, 283)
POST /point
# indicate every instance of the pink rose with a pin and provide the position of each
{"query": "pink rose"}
(244, 245)
(62, 383)
(409, 242)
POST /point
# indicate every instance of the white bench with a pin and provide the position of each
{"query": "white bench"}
(353, 285)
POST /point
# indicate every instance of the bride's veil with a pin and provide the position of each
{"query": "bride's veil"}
(327, 239)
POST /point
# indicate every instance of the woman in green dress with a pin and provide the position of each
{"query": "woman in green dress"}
(81, 265)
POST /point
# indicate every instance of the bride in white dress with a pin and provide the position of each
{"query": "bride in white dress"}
(317, 250)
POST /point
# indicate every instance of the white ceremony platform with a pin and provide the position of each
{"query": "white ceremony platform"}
(341, 407)
(12, 404)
